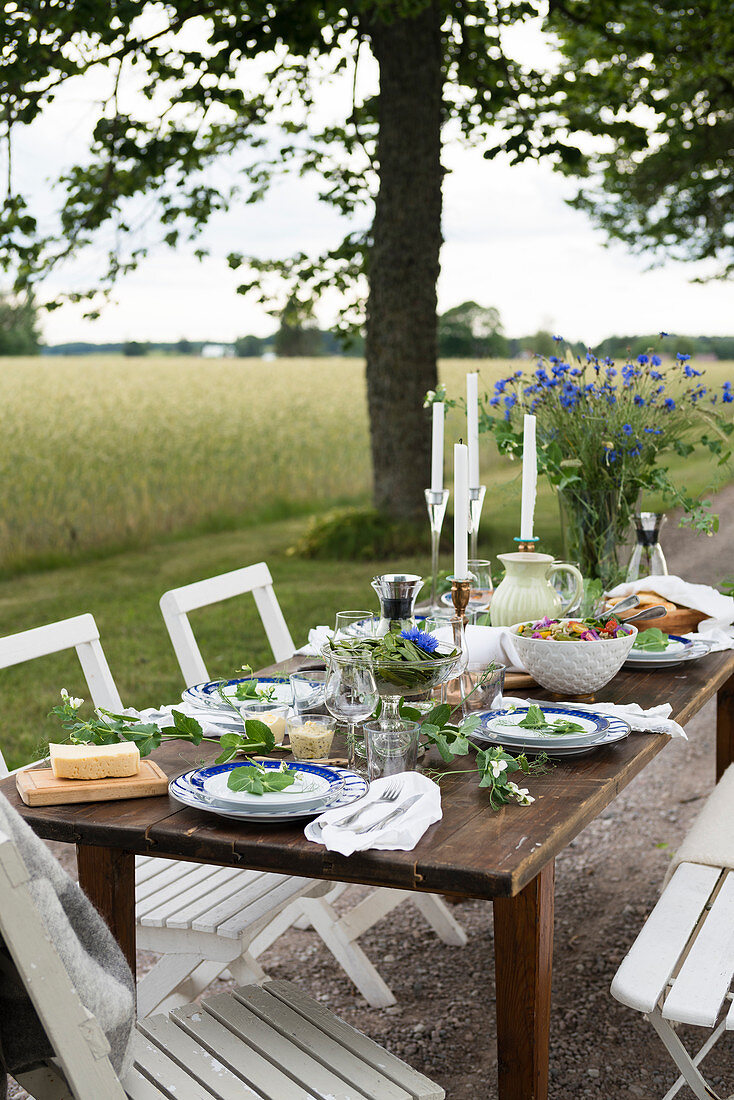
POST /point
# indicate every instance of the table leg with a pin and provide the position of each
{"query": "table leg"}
(523, 946)
(724, 727)
(107, 877)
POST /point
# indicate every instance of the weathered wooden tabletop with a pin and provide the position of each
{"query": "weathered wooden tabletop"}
(507, 856)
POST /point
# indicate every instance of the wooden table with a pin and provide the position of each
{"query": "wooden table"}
(507, 856)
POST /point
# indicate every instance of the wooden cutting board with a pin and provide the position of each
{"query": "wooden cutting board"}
(40, 787)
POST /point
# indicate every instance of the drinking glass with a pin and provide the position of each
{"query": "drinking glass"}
(350, 695)
(354, 624)
(390, 751)
(480, 595)
(484, 685)
(308, 690)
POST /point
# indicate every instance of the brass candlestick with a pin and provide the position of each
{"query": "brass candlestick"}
(527, 546)
(460, 592)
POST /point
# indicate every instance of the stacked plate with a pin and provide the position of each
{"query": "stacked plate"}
(207, 695)
(677, 651)
(316, 789)
(502, 727)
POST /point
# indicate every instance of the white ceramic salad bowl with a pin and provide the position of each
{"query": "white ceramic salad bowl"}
(572, 667)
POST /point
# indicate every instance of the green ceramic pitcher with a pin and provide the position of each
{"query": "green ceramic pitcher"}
(526, 591)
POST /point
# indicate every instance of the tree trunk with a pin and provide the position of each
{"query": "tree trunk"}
(401, 343)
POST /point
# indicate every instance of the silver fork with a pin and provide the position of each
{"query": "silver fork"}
(393, 816)
(390, 794)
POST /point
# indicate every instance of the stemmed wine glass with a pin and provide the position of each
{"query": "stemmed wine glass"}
(482, 588)
(351, 696)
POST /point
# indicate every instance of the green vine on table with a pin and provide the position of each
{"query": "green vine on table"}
(107, 728)
(493, 765)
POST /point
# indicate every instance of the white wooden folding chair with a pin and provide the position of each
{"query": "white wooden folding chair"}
(270, 1042)
(201, 919)
(680, 968)
(176, 604)
(339, 933)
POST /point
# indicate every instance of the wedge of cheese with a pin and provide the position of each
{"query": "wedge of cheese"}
(95, 761)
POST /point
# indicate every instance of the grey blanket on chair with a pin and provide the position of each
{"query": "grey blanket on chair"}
(88, 950)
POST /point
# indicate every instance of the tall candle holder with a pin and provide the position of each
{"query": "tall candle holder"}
(527, 546)
(476, 502)
(460, 593)
(436, 501)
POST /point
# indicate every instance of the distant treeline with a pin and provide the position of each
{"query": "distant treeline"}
(468, 331)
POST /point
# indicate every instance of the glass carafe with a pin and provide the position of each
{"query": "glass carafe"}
(647, 558)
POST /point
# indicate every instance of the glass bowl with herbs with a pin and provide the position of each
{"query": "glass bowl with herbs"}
(573, 656)
(410, 664)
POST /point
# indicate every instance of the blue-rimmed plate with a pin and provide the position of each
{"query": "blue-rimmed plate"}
(617, 730)
(505, 724)
(355, 787)
(693, 651)
(207, 695)
(315, 787)
(675, 648)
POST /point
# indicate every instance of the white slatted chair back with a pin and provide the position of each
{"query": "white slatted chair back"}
(176, 604)
(79, 633)
(77, 1039)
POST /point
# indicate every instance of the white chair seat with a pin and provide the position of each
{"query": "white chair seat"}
(681, 966)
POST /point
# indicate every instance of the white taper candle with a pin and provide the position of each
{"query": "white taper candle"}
(437, 449)
(529, 477)
(472, 427)
(461, 511)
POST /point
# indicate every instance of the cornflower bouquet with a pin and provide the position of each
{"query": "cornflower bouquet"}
(603, 432)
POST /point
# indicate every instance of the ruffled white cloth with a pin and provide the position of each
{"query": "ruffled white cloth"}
(400, 835)
(163, 717)
(716, 629)
(654, 720)
(318, 636)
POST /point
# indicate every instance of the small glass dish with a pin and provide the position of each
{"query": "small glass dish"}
(310, 735)
(273, 715)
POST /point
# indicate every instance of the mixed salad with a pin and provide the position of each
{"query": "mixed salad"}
(574, 630)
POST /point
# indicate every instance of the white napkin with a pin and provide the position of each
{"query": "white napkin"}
(700, 597)
(487, 644)
(318, 636)
(163, 717)
(401, 835)
(654, 720)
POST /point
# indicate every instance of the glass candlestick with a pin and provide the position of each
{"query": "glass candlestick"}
(476, 501)
(436, 501)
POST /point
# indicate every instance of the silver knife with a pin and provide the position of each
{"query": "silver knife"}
(398, 812)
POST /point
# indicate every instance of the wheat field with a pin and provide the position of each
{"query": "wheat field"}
(105, 452)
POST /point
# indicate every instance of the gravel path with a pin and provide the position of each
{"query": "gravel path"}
(607, 881)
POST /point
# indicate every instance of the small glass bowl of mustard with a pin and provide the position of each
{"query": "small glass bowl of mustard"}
(310, 735)
(273, 715)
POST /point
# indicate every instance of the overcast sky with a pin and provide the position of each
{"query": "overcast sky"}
(510, 241)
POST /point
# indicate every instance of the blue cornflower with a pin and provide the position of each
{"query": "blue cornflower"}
(642, 359)
(635, 451)
(727, 397)
(575, 372)
(669, 403)
(553, 359)
(542, 376)
(627, 429)
(612, 398)
(611, 372)
(499, 387)
(689, 371)
(612, 456)
(656, 360)
(681, 357)
(639, 399)
(557, 339)
(660, 389)
(421, 638)
(628, 372)
(663, 335)
(494, 400)
(654, 431)
(656, 375)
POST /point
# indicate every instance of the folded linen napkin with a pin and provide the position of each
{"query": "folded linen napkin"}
(400, 835)
(487, 644)
(654, 720)
(163, 718)
(318, 636)
(710, 839)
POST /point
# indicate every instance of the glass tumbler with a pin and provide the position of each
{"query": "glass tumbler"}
(308, 690)
(390, 751)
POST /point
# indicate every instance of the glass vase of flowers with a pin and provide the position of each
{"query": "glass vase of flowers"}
(603, 435)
